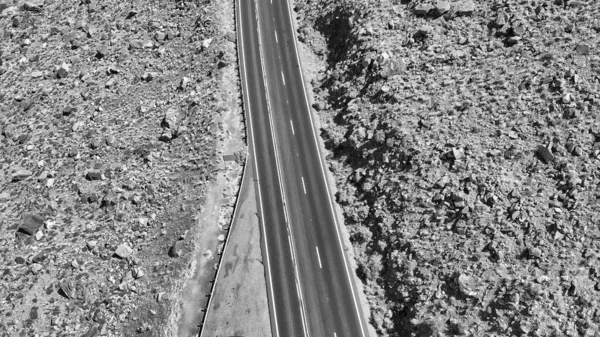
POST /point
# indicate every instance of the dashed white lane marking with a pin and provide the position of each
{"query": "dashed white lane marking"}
(303, 186)
(334, 334)
(276, 39)
(292, 124)
(262, 215)
(320, 265)
(335, 220)
(282, 77)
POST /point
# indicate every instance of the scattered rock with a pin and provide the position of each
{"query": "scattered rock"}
(93, 175)
(101, 51)
(466, 285)
(10, 131)
(582, 49)
(68, 289)
(63, 71)
(172, 119)
(176, 249)
(422, 9)
(544, 154)
(206, 43)
(21, 175)
(36, 268)
(466, 8)
(123, 251)
(33, 5)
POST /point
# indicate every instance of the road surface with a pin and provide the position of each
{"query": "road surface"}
(309, 280)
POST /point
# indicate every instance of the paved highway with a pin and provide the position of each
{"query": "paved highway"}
(309, 280)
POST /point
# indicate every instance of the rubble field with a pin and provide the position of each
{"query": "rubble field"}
(110, 114)
(465, 141)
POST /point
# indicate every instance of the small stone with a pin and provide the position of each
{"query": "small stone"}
(123, 251)
(465, 285)
(582, 49)
(93, 175)
(138, 272)
(136, 44)
(39, 235)
(21, 175)
(206, 43)
(36, 268)
(149, 76)
(534, 253)
(567, 98)
(177, 249)
(160, 36)
(4, 196)
(467, 8)
(569, 28)
(20, 260)
(110, 140)
(172, 118)
(95, 143)
(10, 131)
(221, 237)
(513, 40)
(91, 244)
(68, 289)
(184, 83)
(442, 7)
(181, 130)
(63, 71)
(422, 9)
(545, 155)
(37, 74)
(33, 5)
(75, 264)
(101, 51)
(77, 126)
(92, 332)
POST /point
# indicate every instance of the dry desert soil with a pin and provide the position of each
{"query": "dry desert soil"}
(463, 136)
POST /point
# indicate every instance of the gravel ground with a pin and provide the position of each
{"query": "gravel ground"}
(465, 142)
(109, 119)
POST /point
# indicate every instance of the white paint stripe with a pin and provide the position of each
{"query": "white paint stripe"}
(303, 186)
(279, 176)
(341, 246)
(276, 39)
(334, 334)
(319, 257)
(283, 77)
(292, 124)
(262, 213)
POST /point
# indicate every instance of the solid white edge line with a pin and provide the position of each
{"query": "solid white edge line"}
(319, 257)
(350, 279)
(262, 213)
(292, 124)
(280, 175)
(303, 186)
(283, 77)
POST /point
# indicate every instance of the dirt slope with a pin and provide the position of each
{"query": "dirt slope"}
(109, 113)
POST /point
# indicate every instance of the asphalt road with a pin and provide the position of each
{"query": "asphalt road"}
(316, 295)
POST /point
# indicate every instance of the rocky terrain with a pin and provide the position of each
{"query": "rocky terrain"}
(109, 119)
(465, 140)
